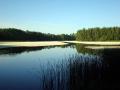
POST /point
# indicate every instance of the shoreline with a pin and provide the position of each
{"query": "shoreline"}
(109, 43)
(9, 44)
(98, 44)
(89, 44)
(102, 47)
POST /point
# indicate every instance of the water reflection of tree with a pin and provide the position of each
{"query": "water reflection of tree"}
(81, 49)
(85, 73)
(111, 75)
(19, 50)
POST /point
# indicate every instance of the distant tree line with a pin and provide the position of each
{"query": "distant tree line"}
(98, 34)
(12, 34)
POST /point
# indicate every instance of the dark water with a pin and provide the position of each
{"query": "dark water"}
(59, 68)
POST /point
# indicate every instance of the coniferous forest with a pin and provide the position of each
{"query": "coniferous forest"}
(90, 34)
(99, 34)
(12, 34)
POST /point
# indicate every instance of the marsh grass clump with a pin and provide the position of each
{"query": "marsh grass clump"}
(74, 73)
(55, 77)
(85, 72)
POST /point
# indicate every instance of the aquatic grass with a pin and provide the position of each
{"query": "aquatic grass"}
(54, 78)
(72, 73)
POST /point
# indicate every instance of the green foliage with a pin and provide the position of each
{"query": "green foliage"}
(99, 34)
(12, 34)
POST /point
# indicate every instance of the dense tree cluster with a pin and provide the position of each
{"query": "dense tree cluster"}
(12, 34)
(99, 34)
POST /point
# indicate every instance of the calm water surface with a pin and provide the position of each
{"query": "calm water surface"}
(70, 67)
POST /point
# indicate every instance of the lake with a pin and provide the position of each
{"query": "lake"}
(69, 67)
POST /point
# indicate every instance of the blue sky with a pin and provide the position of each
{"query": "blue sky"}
(58, 16)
